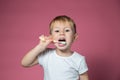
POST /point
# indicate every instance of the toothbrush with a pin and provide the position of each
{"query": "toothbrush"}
(55, 41)
(61, 42)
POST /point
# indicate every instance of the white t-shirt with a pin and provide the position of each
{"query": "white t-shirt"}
(62, 68)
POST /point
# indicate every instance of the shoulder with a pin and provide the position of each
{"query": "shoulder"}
(81, 65)
(48, 50)
(43, 57)
(77, 56)
(46, 53)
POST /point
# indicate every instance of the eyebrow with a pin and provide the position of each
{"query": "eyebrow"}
(59, 27)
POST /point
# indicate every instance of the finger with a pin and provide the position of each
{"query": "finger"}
(55, 41)
(42, 38)
(50, 37)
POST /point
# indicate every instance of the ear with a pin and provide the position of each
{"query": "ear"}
(75, 36)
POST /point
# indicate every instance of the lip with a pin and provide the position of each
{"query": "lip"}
(61, 44)
(62, 39)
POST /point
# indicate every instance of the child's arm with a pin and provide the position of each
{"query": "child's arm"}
(84, 76)
(30, 59)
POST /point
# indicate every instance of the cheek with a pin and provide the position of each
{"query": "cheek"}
(69, 37)
(54, 36)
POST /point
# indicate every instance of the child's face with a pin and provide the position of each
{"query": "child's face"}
(63, 32)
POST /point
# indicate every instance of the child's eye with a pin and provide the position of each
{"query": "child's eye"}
(56, 30)
(67, 30)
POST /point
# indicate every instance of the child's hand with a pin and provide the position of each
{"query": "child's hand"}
(45, 40)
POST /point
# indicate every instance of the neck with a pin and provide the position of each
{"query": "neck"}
(64, 52)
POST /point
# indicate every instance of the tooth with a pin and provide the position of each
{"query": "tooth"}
(63, 42)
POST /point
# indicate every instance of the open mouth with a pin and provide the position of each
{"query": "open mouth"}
(62, 41)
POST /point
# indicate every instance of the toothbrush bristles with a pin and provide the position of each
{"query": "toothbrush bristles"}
(63, 42)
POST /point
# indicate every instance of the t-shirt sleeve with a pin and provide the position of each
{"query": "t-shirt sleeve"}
(83, 66)
(42, 58)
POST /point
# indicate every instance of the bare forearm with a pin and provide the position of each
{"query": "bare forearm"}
(84, 76)
(31, 56)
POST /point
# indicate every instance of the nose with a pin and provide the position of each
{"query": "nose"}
(62, 33)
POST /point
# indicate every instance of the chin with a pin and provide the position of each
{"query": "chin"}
(62, 48)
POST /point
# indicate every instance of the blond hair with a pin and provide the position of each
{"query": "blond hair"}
(63, 18)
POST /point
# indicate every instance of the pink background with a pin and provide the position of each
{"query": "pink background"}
(98, 26)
